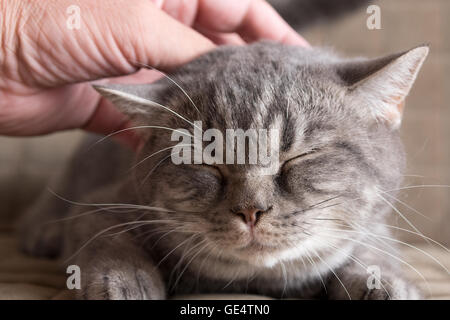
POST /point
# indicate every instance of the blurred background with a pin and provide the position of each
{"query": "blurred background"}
(27, 163)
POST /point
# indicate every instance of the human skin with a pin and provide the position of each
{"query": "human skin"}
(46, 68)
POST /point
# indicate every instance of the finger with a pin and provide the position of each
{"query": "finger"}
(186, 12)
(107, 43)
(154, 35)
(181, 10)
(251, 19)
(61, 108)
(221, 38)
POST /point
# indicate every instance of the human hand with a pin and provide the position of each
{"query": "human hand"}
(46, 67)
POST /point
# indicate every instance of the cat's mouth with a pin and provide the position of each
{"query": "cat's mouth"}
(258, 253)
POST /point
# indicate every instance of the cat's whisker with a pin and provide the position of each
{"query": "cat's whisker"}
(90, 212)
(157, 152)
(332, 271)
(406, 205)
(190, 261)
(415, 233)
(359, 262)
(130, 228)
(109, 229)
(135, 128)
(233, 278)
(313, 264)
(413, 175)
(205, 258)
(323, 201)
(175, 248)
(184, 255)
(154, 168)
(173, 81)
(166, 232)
(284, 272)
(392, 227)
(401, 215)
(366, 233)
(316, 207)
(126, 205)
(180, 229)
(391, 190)
(254, 275)
(384, 252)
(149, 102)
(419, 186)
(351, 225)
(303, 262)
(112, 209)
(175, 113)
(125, 230)
(327, 219)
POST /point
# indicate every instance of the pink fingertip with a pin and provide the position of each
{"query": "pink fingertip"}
(158, 3)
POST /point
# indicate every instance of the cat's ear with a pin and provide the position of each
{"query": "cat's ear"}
(137, 101)
(383, 84)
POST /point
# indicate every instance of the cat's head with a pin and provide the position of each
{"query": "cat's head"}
(337, 147)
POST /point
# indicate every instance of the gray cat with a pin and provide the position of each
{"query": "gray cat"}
(313, 229)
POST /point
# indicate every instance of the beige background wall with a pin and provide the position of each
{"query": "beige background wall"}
(26, 163)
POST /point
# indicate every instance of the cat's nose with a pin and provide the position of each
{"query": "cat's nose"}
(250, 216)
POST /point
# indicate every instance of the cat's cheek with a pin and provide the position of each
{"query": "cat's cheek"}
(294, 182)
(309, 178)
(228, 233)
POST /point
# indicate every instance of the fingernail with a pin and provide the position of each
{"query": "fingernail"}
(158, 3)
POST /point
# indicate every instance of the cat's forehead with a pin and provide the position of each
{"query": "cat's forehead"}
(251, 86)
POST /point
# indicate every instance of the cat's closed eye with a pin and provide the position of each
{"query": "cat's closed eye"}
(208, 169)
(301, 156)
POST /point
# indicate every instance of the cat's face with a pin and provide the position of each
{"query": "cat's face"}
(337, 148)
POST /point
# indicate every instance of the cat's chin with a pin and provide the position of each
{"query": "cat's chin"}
(264, 260)
(271, 257)
(260, 256)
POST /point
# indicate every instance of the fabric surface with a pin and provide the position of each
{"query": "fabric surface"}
(23, 277)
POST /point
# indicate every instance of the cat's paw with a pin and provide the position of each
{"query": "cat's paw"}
(396, 289)
(127, 283)
(390, 288)
(40, 239)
